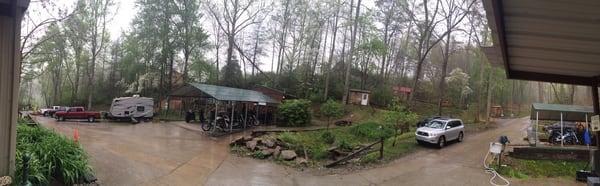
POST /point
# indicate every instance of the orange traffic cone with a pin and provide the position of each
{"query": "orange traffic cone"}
(76, 135)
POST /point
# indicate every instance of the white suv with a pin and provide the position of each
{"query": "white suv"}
(439, 131)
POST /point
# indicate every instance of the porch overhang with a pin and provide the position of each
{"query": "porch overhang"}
(546, 40)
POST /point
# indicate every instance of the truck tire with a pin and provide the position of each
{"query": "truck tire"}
(91, 119)
(61, 118)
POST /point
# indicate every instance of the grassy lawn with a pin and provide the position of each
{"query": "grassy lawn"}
(522, 169)
(317, 143)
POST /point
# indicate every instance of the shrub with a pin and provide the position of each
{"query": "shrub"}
(328, 137)
(295, 113)
(331, 109)
(52, 156)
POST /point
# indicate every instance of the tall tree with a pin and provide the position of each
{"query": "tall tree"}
(351, 57)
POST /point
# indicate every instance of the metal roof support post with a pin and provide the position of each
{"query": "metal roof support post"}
(245, 114)
(537, 122)
(562, 133)
(588, 127)
(216, 115)
(596, 109)
(231, 120)
(258, 112)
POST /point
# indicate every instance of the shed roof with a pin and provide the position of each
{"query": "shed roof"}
(553, 111)
(221, 93)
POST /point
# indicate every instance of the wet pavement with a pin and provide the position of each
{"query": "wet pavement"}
(169, 154)
(145, 153)
(456, 164)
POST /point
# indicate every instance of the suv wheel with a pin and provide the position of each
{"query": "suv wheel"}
(442, 142)
(460, 137)
(91, 119)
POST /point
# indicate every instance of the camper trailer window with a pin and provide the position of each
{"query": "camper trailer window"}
(140, 108)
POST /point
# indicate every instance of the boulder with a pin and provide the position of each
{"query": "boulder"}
(267, 152)
(288, 154)
(247, 138)
(251, 144)
(301, 161)
(276, 151)
(269, 143)
(239, 141)
(260, 147)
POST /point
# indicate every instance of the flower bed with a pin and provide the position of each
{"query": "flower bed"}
(52, 157)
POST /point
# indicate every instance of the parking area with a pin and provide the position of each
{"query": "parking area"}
(146, 153)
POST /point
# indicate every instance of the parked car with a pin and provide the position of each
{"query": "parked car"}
(440, 131)
(427, 120)
(47, 111)
(52, 113)
(133, 109)
(77, 113)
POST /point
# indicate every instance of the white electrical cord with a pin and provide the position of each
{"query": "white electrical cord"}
(493, 173)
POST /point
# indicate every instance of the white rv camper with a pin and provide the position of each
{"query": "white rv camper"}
(131, 108)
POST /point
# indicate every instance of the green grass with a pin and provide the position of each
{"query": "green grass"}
(348, 139)
(522, 169)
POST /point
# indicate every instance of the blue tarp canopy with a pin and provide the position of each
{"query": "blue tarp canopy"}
(553, 112)
(222, 93)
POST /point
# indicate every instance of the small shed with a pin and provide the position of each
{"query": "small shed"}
(558, 112)
(358, 97)
(402, 92)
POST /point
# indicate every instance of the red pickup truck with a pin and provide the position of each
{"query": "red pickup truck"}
(77, 113)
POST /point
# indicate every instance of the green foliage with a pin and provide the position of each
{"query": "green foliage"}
(521, 168)
(328, 137)
(399, 117)
(295, 113)
(258, 154)
(232, 74)
(332, 109)
(372, 130)
(53, 156)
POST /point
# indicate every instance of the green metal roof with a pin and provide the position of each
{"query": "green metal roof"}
(222, 93)
(553, 111)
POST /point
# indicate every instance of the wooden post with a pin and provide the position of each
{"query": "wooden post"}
(11, 13)
(381, 149)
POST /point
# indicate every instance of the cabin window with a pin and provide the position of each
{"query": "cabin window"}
(140, 108)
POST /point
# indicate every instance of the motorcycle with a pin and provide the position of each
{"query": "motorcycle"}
(569, 137)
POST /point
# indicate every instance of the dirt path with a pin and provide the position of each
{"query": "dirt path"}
(457, 164)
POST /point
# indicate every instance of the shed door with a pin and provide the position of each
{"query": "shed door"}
(365, 99)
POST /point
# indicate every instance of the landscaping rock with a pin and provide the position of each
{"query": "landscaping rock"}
(267, 152)
(247, 138)
(288, 154)
(260, 147)
(276, 151)
(251, 144)
(268, 143)
(239, 141)
(301, 161)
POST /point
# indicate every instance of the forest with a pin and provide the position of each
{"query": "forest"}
(313, 49)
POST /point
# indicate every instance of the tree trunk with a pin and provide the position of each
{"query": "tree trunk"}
(351, 60)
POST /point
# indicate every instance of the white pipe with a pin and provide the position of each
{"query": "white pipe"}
(562, 133)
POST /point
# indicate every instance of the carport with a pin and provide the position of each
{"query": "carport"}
(223, 96)
(559, 112)
(547, 40)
